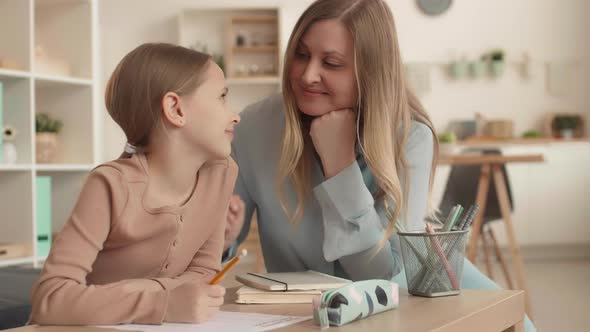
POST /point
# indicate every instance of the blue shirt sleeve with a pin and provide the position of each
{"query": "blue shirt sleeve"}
(349, 216)
(354, 223)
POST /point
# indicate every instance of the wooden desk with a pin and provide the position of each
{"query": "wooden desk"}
(489, 159)
(491, 164)
(473, 310)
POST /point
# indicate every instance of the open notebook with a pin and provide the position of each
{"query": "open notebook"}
(291, 281)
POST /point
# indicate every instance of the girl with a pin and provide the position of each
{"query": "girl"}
(346, 152)
(146, 234)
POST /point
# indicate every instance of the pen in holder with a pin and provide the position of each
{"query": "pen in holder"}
(433, 261)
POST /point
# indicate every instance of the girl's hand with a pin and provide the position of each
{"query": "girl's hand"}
(235, 220)
(194, 302)
(334, 137)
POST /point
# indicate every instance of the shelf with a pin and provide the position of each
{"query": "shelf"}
(256, 19)
(64, 167)
(255, 49)
(15, 167)
(44, 80)
(17, 261)
(13, 74)
(254, 80)
(13, 253)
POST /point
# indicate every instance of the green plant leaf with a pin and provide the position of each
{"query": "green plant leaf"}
(45, 124)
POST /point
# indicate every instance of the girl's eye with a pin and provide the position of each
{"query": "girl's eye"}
(301, 55)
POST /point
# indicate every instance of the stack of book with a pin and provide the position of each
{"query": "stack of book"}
(285, 287)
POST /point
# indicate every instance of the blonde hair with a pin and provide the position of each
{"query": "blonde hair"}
(135, 90)
(386, 106)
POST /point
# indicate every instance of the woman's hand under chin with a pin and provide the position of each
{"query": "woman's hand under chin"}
(334, 137)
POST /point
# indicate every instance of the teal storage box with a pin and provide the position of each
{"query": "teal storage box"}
(43, 222)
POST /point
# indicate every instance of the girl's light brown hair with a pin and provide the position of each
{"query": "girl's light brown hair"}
(386, 106)
(135, 90)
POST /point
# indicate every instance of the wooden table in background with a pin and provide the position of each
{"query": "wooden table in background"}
(491, 165)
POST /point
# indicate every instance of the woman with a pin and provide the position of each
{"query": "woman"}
(345, 153)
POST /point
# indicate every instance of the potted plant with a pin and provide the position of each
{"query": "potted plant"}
(532, 133)
(46, 138)
(566, 125)
(497, 62)
(447, 143)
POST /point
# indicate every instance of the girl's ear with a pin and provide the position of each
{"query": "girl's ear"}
(172, 110)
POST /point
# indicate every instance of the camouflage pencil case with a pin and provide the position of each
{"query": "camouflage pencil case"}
(355, 301)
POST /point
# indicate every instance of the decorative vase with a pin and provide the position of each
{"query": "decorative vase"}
(477, 68)
(567, 133)
(9, 153)
(497, 68)
(46, 147)
(448, 149)
(459, 69)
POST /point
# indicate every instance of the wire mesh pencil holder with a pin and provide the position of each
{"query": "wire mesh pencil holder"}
(433, 262)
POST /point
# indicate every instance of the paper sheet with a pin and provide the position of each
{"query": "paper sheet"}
(223, 321)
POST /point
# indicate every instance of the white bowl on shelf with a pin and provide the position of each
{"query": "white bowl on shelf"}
(448, 149)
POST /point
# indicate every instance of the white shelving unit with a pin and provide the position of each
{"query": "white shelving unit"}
(217, 27)
(66, 30)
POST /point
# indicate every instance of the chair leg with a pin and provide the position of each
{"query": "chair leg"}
(482, 194)
(486, 255)
(500, 258)
(506, 215)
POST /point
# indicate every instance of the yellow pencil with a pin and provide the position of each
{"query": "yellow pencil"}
(228, 267)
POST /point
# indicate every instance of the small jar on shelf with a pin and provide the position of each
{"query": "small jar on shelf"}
(243, 39)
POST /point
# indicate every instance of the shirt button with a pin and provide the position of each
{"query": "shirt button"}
(166, 266)
(175, 243)
(181, 218)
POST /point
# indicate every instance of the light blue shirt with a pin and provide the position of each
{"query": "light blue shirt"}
(341, 223)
